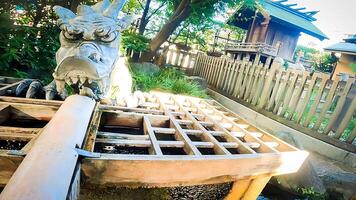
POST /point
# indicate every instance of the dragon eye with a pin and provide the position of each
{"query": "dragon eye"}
(109, 37)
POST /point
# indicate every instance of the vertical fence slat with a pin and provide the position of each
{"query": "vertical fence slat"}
(239, 78)
(268, 86)
(249, 81)
(345, 121)
(327, 103)
(281, 91)
(297, 95)
(220, 72)
(235, 75)
(259, 87)
(305, 100)
(339, 105)
(316, 100)
(272, 98)
(289, 93)
(352, 136)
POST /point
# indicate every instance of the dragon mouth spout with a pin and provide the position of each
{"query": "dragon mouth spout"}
(86, 75)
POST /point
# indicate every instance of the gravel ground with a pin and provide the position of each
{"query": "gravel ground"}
(199, 192)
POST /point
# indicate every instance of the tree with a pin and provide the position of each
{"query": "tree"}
(182, 10)
(146, 16)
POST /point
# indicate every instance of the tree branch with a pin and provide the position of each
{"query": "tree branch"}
(155, 11)
(140, 4)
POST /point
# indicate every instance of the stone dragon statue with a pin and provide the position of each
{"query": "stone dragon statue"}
(88, 59)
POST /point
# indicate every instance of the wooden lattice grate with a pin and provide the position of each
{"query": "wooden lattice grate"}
(177, 125)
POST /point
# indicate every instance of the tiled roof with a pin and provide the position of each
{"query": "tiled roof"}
(285, 14)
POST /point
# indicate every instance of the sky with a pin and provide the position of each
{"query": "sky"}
(336, 19)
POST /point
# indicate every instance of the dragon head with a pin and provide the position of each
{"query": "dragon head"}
(89, 47)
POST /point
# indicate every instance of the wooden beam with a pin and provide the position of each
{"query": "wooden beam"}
(158, 171)
(154, 146)
(52, 171)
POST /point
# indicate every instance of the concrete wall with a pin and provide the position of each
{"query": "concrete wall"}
(308, 143)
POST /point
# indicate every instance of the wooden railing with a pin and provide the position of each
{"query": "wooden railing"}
(312, 104)
(252, 47)
(180, 58)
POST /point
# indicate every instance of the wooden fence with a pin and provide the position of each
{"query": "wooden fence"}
(312, 104)
(180, 58)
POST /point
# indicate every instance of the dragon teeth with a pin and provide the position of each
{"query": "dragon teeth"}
(82, 79)
(60, 86)
(90, 81)
(74, 79)
(68, 81)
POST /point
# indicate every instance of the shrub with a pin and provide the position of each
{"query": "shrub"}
(134, 42)
(168, 80)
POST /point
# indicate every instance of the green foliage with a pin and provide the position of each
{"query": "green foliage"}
(353, 67)
(324, 63)
(27, 51)
(168, 80)
(310, 193)
(134, 42)
(307, 52)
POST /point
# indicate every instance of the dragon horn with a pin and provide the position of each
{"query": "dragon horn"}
(63, 13)
(101, 6)
(114, 9)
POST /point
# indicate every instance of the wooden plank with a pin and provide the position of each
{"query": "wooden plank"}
(20, 130)
(352, 136)
(272, 99)
(155, 171)
(327, 103)
(16, 136)
(235, 75)
(242, 148)
(30, 111)
(297, 95)
(30, 101)
(316, 100)
(238, 189)
(131, 119)
(245, 79)
(180, 135)
(256, 187)
(268, 85)
(292, 87)
(218, 148)
(257, 76)
(346, 119)
(339, 105)
(41, 170)
(89, 141)
(238, 85)
(305, 100)
(254, 67)
(217, 73)
(267, 138)
(281, 91)
(259, 87)
(147, 128)
(292, 124)
(227, 75)
(122, 136)
(4, 113)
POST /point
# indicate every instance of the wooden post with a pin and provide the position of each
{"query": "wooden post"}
(47, 170)
(247, 189)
